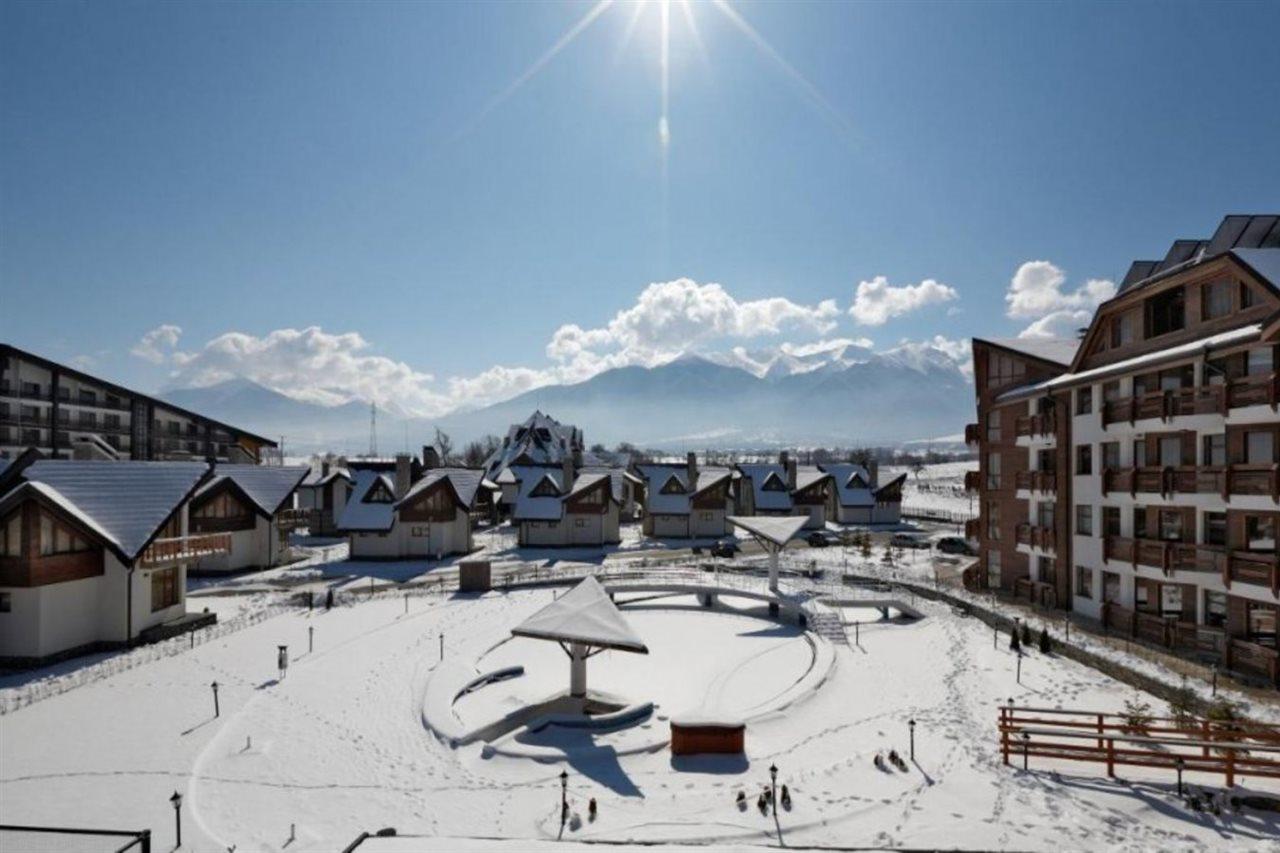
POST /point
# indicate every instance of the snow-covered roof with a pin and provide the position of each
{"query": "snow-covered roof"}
(317, 478)
(128, 500)
(618, 478)
(762, 474)
(267, 486)
(776, 530)
(1243, 333)
(539, 440)
(25, 489)
(852, 483)
(657, 475)
(359, 514)
(550, 507)
(807, 477)
(465, 482)
(584, 614)
(1056, 350)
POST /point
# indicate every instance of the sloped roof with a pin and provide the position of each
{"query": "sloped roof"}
(775, 530)
(465, 483)
(585, 615)
(657, 475)
(1264, 262)
(540, 440)
(807, 477)
(849, 494)
(316, 478)
(128, 500)
(267, 486)
(761, 473)
(358, 515)
(25, 489)
(543, 508)
(1056, 350)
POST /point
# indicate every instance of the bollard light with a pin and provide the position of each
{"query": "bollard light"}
(1026, 739)
(176, 799)
(911, 727)
(216, 710)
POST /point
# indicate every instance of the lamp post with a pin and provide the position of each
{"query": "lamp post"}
(1179, 763)
(564, 795)
(216, 710)
(1026, 738)
(1215, 679)
(311, 638)
(911, 727)
(773, 782)
(176, 799)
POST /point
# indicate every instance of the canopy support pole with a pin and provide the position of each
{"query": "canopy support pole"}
(773, 568)
(578, 670)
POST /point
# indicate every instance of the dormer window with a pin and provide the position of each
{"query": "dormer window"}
(1217, 299)
(1166, 312)
(1121, 330)
(379, 494)
(547, 488)
(672, 486)
(773, 483)
(856, 482)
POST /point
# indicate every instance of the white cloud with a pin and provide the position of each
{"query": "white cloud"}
(876, 302)
(1058, 324)
(158, 344)
(1036, 291)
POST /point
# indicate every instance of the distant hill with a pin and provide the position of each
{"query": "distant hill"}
(843, 397)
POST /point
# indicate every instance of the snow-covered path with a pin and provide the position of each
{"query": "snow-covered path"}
(338, 747)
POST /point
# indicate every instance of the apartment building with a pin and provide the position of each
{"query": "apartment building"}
(66, 413)
(1133, 475)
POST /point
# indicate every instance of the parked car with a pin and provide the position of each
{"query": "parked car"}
(956, 545)
(909, 540)
(821, 539)
(725, 548)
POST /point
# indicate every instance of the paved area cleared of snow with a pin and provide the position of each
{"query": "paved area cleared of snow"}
(339, 746)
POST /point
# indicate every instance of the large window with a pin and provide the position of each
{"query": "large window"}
(1215, 528)
(1259, 447)
(11, 536)
(1217, 299)
(1260, 361)
(1111, 454)
(1260, 532)
(1111, 587)
(1084, 400)
(1111, 521)
(993, 569)
(1045, 514)
(1084, 582)
(1171, 525)
(993, 520)
(1003, 369)
(1084, 458)
(993, 426)
(1170, 447)
(1121, 330)
(1084, 520)
(1165, 313)
(164, 589)
(1215, 449)
(57, 538)
(1140, 453)
(1215, 609)
(993, 470)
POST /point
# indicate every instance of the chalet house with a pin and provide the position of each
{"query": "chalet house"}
(411, 511)
(681, 501)
(783, 488)
(254, 505)
(558, 506)
(857, 498)
(1134, 475)
(94, 554)
(539, 440)
(323, 496)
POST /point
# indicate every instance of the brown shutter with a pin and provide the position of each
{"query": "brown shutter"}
(1188, 523)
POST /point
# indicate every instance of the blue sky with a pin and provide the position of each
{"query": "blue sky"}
(248, 172)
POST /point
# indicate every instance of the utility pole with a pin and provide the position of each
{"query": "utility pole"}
(373, 429)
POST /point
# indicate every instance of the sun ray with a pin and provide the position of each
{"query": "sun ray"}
(561, 43)
(664, 124)
(810, 92)
(686, 6)
(636, 11)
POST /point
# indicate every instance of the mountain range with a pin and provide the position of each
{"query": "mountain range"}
(839, 395)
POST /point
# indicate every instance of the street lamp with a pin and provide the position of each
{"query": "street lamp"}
(1026, 738)
(564, 795)
(176, 799)
(773, 781)
(1180, 762)
(911, 726)
(216, 711)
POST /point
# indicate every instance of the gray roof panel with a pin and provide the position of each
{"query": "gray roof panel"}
(268, 486)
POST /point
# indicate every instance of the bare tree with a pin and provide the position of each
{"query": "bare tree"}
(444, 446)
(473, 455)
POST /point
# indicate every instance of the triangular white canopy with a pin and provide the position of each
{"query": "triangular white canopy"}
(583, 615)
(773, 531)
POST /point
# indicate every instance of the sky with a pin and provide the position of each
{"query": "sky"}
(437, 205)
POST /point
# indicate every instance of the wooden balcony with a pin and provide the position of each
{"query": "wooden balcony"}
(972, 481)
(972, 528)
(1262, 480)
(292, 519)
(1044, 538)
(1037, 425)
(972, 434)
(182, 549)
(1036, 592)
(1260, 569)
(1037, 481)
(1200, 641)
(1252, 567)
(1259, 390)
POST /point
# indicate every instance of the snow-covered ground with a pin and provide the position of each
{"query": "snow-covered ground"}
(938, 487)
(339, 745)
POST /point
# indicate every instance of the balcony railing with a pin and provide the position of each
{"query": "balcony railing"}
(1033, 425)
(1036, 592)
(181, 549)
(972, 481)
(1044, 538)
(1202, 641)
(1258, 390)
(291, 519)
(1222, 480)
(972, 434)
(1252, 567)
(1037, 481)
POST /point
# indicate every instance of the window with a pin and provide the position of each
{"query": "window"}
(1215, 609)
(1121, 330)
(773, 483)
(993, 569)
(56, 538)
(1084, 582)
(1248, 298)
(993, 520)
(1260, 533)
(1261, 623)
(1140, 453)
(1003, 369)
(379, 494)
(6, 602)
(1170, 525)
(993, 470)
(1084, 400)
(1044, 514)
(1165, 313)
(579, 522)
(993, 426)
(1217, 299)
(1046, 570)
(1111, 521)
(1139, 522)
(1170, 450)
(704, 516)
(1111, 587)
(1111, 391)
(11, 536)
(164, 589)
(1259, 362)
(1215, 528)
(1111, 454)
(672, 486)
(1084, 520)
(1177, 377)
(1215, 449)
(1084, 459)
(1259, 447)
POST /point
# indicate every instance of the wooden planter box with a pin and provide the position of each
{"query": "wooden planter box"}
(701, 738)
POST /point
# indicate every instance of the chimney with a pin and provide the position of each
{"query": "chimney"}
(577, 457)
(873, 473)
(430, 458)
(566, 471)
(691, 464)
(324, 468)
(790, 465)
(402, 474)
